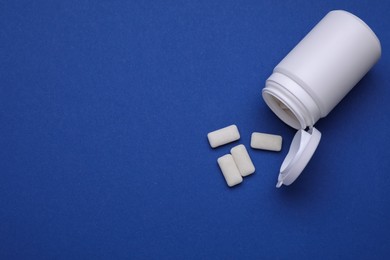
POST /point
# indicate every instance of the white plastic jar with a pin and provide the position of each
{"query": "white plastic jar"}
(314, 77)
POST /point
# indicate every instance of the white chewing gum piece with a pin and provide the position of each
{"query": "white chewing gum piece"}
(229, 170)
(242, 160)
(223, 136)
(266, 142)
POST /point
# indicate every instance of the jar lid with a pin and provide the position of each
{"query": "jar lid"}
(302, 148)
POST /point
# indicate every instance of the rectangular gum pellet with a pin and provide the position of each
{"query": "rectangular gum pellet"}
(223, 136)
(242, 160)
(266, 142)
(229, 170)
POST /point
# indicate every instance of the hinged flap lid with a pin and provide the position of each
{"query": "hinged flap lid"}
(301, 150)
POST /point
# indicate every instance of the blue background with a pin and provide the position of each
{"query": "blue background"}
(105, 107)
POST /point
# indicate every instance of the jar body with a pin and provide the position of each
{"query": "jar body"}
(315, 76)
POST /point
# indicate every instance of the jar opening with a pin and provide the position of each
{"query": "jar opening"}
(281, 110)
